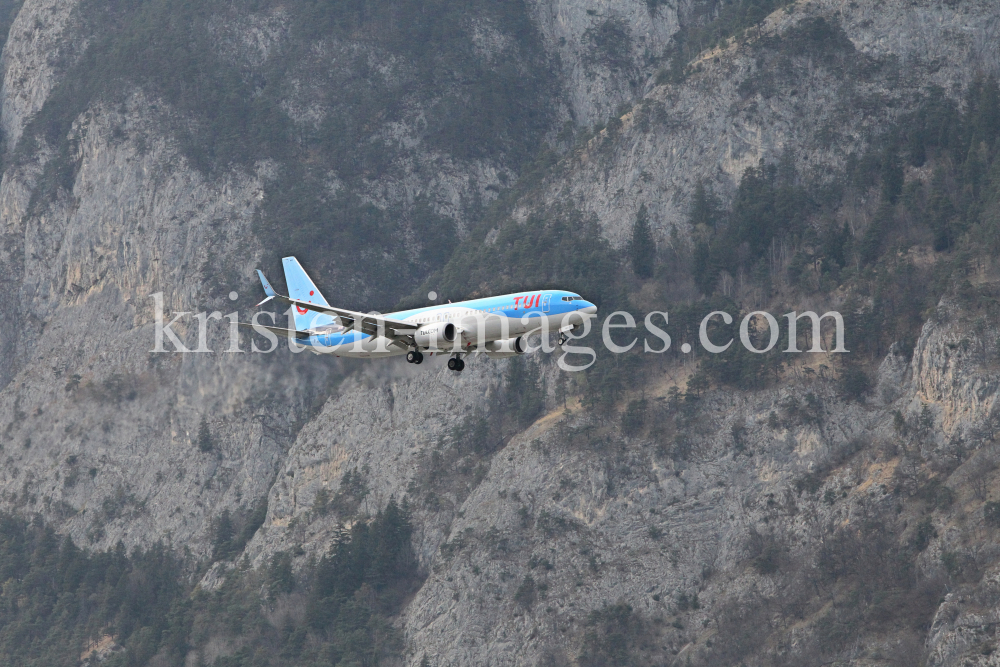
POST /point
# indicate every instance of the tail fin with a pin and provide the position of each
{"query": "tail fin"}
(301, 287)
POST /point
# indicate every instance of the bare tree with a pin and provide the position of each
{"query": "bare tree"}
(980, 471)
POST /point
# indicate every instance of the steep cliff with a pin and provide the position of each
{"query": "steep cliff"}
(819, 91)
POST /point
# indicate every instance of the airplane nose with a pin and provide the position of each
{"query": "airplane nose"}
(589, 309)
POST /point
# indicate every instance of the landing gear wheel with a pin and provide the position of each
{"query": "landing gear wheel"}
(455, 364)
(461, 364)
(411, 357)
(563, 338)
(418, 357)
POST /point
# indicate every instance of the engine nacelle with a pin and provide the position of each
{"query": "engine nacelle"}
(508, 347)
(436, 336)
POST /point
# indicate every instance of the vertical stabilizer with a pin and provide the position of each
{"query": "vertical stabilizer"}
(301, 287)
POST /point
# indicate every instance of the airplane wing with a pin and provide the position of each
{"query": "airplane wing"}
(286, 333)
(369, 323)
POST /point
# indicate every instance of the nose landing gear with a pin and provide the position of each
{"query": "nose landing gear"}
(414, 357)
(456, 364)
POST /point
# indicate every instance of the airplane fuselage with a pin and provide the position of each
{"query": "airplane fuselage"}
(474, 324)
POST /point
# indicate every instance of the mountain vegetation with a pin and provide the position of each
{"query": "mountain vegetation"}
(61, 605)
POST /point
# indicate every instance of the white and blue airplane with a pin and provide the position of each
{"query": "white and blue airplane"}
(496, 325)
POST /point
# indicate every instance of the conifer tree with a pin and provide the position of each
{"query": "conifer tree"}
(892, 174)
(642, 247)
(204, 436)
(702, 207)
(940, 211)
(702, 217)
(222, 542)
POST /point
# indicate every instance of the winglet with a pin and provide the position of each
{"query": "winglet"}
(268, 290)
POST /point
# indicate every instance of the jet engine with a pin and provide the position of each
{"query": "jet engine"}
(508, 347)
(436, 336)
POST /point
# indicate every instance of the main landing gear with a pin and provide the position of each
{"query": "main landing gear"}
(454, 364)
(564, 335)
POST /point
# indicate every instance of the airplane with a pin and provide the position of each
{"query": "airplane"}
(496, 325)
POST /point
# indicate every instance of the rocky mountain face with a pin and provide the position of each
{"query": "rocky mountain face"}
(708, 531)
(771, 94)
